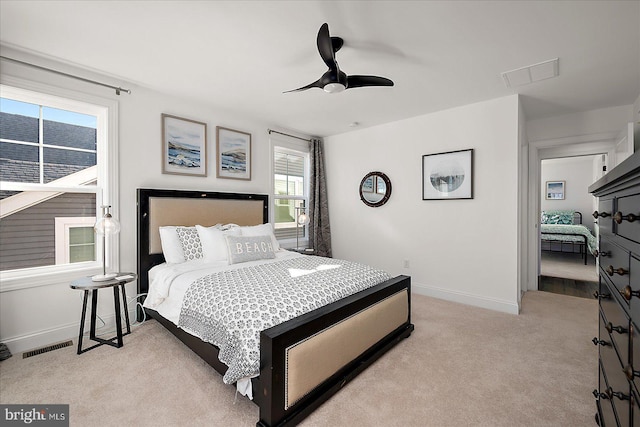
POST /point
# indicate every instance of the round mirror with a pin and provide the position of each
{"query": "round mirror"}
(375, 189)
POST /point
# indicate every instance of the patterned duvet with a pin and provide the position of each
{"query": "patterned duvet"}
(230, 308)
(565, 233)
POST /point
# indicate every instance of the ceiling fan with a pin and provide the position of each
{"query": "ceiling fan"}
(335, 80)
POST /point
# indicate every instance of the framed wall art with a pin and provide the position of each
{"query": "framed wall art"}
(184, 146)
(447, 175)
(233, 156)
(554, 190)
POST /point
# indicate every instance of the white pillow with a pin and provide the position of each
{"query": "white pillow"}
(261, 230)
(214, 245)
(171, 246)
(249, 248)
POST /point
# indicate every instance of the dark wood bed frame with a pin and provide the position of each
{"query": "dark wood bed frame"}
(269, 386)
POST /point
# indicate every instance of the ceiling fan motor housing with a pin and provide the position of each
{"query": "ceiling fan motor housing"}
(333, 81)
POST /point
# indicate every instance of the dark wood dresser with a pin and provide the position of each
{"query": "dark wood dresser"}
(618, 218)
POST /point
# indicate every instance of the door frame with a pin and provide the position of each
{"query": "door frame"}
(583, 145)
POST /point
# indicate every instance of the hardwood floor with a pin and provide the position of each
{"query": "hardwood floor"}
(559, 285)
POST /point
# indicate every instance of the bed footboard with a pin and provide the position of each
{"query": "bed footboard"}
(584, 249)
(308, 359)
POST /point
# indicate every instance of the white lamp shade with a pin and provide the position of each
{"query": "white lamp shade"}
(303, 219)
(107, 225)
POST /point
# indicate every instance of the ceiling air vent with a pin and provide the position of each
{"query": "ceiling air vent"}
(531, 73)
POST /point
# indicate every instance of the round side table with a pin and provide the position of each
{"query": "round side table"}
(117, 283)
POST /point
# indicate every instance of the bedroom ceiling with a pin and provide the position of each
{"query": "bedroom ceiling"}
(240, 56)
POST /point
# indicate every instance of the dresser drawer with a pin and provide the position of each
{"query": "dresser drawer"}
(614, 327)
(614, 263)
(604, 216)
(627, 218)
(606, 408)
(633, 293)
(632, 369)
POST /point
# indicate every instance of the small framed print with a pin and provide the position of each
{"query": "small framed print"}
(184, 146)
(233, 154)
(447, 175)
(554, 190)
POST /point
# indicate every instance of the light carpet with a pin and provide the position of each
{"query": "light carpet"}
(463, 366)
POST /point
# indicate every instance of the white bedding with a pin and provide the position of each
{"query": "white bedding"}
(169, 282)
(222, 307)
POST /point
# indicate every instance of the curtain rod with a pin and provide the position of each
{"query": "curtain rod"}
(116, 88)
(286, 134)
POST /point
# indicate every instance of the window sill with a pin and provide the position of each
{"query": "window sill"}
(18, 280)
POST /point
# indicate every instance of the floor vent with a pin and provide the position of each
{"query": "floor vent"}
(46, 349)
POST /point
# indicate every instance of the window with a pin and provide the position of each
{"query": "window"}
(74, 239)
(54, 172)
(291, 188)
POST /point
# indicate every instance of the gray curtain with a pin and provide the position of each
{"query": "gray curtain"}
(319, 229)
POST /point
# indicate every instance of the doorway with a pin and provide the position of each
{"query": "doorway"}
(585, 145)
(567, 229)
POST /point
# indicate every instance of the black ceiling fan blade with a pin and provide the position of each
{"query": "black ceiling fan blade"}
(309, 86)
(325, 47)
(361, 81)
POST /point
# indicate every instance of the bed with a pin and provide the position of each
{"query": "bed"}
(302, 361)
(563, 231)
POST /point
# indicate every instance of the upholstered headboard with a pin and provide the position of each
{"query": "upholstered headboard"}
(157, 208)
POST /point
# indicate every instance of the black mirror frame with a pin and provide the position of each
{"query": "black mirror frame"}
(387, 194)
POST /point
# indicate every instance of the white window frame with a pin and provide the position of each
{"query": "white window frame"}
(300, 148)
(62, 240)
(106, 112)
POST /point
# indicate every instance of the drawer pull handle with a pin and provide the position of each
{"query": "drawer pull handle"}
(598, 295)
(629, 293)
(599, 395)
(597, 214)
(596, 341)
(602, 254)
(630, 373)
(619, 329)
(618, 217)
(621, 271)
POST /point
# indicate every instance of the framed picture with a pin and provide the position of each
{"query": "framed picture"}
(233, 154)
(447, 175)
(555, 190)
(184, 146)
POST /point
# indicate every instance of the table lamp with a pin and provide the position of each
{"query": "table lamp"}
(301, 220)
(105, 226)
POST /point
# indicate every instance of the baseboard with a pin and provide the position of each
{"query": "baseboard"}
(466, 298)
(27, 342)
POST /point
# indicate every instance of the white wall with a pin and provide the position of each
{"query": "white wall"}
(594, 122)
(31, 318)
(452, 253)
(577, 172)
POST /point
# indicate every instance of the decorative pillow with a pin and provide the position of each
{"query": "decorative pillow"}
(261, 230)
(214, 245)
(190, 242)
(249, 248)
(171, 246)
(557, 217)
